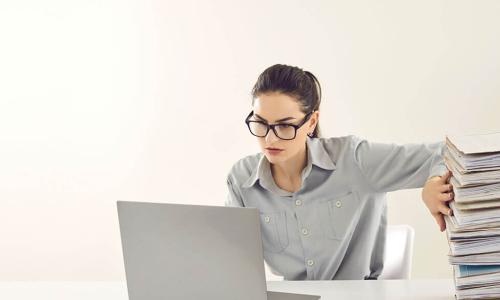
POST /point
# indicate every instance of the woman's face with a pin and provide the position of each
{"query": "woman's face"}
(272, 108)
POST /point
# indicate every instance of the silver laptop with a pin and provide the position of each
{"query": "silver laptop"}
(192, 252)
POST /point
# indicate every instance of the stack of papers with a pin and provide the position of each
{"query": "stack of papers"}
(473, 230)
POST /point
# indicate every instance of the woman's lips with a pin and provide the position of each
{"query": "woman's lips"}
(274, 151)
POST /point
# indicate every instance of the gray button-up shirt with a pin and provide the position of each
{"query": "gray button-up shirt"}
(334, 226)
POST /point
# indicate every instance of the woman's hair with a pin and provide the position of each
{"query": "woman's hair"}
(294, 82)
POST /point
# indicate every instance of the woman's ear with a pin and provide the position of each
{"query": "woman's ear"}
(313, 121)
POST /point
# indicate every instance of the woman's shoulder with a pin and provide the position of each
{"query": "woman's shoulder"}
(340, 149)
(339, 144)
(244, 167)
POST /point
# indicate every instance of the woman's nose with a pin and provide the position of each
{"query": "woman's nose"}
(271, 137)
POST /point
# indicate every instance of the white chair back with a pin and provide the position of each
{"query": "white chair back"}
(398, 252)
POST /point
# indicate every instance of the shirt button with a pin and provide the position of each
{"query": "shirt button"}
(298, 202)
(338, 204)
(305, 231)
(267, 219)
(310, 262)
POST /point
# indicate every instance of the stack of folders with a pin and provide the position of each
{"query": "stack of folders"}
(473, 230)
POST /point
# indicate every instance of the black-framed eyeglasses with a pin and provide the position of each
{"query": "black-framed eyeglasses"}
(282, 131)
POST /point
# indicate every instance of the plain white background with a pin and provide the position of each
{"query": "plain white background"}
(145, 100)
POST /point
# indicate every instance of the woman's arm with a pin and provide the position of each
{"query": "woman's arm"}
(390, 167)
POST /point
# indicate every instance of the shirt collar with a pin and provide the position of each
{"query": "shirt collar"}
(316, 155)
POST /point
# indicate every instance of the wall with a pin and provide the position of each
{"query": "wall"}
(145, 100)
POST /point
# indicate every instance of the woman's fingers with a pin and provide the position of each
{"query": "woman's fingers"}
(446, 177)
(445, 210)
(440, 221)
(446, 196)
(445, 188)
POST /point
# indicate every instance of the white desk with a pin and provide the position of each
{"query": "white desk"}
(439, 289)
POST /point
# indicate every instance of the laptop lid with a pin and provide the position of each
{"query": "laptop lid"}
(191, 252)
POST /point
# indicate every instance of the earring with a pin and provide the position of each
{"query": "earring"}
(310, 134)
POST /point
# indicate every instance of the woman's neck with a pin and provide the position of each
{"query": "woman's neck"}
(291, 169)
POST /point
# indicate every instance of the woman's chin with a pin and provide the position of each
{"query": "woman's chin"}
(274, 158)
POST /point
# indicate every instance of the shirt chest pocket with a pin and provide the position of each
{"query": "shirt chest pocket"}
(339, 215)
(274, 231)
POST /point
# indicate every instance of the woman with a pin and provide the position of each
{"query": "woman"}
(322, 201)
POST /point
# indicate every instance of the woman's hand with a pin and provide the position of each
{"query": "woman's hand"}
(436, 193)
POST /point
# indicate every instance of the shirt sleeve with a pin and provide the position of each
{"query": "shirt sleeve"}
(233, 197)
(390, 167)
